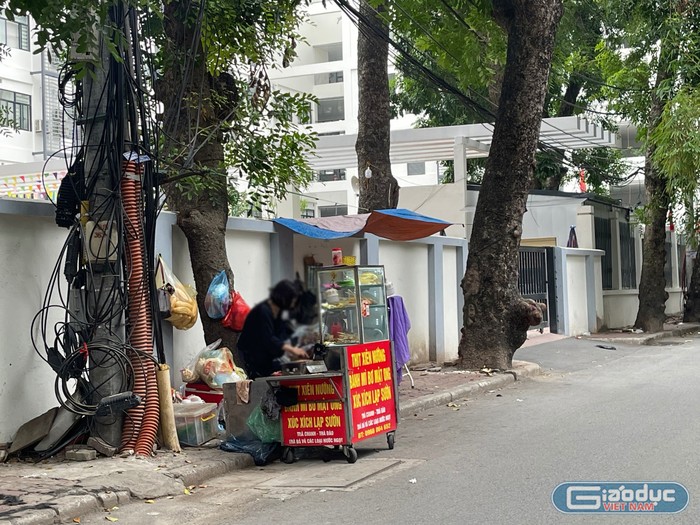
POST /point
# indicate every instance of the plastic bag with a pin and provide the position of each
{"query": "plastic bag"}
(235, 317)
(262, 453)
(213, 366)
(218, 299)
(267, 430)
(177, 302)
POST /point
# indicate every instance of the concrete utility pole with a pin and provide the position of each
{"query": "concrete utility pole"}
(102, 225)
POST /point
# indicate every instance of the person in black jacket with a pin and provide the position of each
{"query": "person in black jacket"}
(265, 336)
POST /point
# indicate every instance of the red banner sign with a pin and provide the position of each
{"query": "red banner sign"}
(318, 418)
(371, 377)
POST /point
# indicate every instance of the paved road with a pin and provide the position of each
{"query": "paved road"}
(596, 414)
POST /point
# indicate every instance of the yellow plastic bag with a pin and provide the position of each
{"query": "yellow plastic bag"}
(178, 302)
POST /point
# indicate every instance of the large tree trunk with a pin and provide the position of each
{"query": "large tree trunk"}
(381, 191)
(496, 318)
(196, 103)
(652, 285)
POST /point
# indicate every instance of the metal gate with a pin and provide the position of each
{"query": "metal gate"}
(536, 281)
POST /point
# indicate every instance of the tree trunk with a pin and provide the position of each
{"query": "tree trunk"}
(195, 106)
(652, 285)
(496, 318)
(381, 190)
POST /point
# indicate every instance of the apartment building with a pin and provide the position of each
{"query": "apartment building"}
(29, 99)
(326, 66)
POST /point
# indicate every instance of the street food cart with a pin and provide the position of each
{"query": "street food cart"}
(351, 394)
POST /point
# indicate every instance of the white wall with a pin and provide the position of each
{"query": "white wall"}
(549, 217)
(621, 306)
(28, 252)
(406, 266)
(30, 247)
(249, 256)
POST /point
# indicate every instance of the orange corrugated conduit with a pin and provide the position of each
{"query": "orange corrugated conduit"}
(141, 422)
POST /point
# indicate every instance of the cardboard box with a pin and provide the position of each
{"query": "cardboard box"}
(196, 423)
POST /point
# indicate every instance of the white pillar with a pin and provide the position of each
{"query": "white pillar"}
(585, 227)
(675, 269)
(460, 178)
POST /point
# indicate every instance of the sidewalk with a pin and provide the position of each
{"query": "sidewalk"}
(57, 490)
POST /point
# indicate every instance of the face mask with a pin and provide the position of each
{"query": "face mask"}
(284, 315)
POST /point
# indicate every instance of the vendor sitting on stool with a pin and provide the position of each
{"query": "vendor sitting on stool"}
(265, 336)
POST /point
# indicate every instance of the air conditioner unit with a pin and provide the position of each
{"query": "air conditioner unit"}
(38, 125)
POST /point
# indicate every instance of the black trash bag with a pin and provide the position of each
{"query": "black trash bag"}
(263, 453)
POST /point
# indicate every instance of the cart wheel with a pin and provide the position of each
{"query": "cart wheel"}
(288, 455)
(350, 454)
(390, 440)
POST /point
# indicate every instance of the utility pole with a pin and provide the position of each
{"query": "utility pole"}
(103, 123)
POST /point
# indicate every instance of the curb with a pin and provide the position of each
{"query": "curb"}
(649, 339)
(196, 474)
(524, 369)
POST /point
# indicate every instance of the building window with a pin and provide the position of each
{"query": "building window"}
(335, 52)
(308, 213)
(331, 211)
(15, 34)
(16, 108)
(330, 133)
(330, 175)
(331, 109)
(336, 77)
(416, 168)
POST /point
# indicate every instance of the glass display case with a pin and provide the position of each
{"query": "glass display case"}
(352, 302)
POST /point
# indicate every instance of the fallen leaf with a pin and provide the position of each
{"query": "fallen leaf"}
(110, 518)
(76, 520)
(153, 513)
(187, 491)
(191, 487)
(114, 508)
(203, 486)
(150, 501)
(187, 461)
(171, 497)
(413, 480)
(453, 404)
